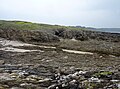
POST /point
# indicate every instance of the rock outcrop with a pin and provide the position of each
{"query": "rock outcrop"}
(46, 35)
(86, 35)
(28, 35)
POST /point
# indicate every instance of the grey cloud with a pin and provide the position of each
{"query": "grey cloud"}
(97, 13)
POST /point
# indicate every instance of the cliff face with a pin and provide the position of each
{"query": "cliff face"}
(86, 35)
(32, 32)
(55, 35)
(28, 36)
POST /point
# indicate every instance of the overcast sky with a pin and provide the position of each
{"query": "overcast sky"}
(94, 13)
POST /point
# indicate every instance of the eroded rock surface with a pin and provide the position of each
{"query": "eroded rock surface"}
(74, 63)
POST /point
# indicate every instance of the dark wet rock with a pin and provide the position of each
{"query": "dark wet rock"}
(78, 80)
(73, 84)
(88, 74)
(104, 75)
(116, 76)
(84, 35)
(71, 79)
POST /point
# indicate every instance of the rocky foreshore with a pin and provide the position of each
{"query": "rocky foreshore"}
(28, 66)
(27, 76)
(59, 58)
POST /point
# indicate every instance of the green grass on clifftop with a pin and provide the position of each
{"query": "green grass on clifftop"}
(22, 25)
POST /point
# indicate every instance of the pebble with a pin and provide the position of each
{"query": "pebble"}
(115, 80)
(24, 84)
(34, 77)
(23, 74)
(92, 79)
(45, 80)
(82, 72)
(54, 86)
(2, 62)
(118, 85)
(5, 77)
(16, 88)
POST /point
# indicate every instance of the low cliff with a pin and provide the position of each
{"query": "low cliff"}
(32, 32)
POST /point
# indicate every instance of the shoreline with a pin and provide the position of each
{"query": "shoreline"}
(59, 59)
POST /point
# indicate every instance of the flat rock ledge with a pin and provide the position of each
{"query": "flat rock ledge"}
(28, 76)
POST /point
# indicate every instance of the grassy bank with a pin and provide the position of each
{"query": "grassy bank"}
(22, 25)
